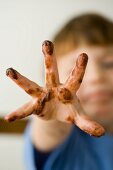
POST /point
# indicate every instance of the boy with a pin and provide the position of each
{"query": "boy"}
(54, 145)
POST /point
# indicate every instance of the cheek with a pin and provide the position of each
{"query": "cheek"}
(81, 91)
(108, 79)
(109, 75)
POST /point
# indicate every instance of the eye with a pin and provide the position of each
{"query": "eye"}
(107, 65)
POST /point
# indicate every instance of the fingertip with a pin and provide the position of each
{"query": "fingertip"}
(11, 72)
(47, 47)
(8, 71)
(10, 119)
(84, 55)
(82, 60)
(100, 132)
(6, 118)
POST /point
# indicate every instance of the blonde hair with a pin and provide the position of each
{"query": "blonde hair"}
(90, 29)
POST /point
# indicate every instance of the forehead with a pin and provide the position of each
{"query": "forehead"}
(93, 52)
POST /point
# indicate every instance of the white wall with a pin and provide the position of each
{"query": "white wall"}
(24, 24)
(11, 152)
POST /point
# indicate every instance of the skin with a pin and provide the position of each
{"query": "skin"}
(96, 90)
(57, 102)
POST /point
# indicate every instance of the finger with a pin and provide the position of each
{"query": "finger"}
(51, 70)
(89, 126)
(76, 76)
(29, 86)
(22, 112)
(84, 122)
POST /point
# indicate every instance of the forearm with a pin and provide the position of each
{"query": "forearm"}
(46, 135)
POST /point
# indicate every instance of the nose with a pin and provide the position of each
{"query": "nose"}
(93, 74)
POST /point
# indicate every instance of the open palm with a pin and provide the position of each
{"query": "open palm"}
(55, 101)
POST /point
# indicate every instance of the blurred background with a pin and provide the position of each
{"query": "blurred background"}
(24, 25)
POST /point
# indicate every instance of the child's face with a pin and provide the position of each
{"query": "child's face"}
(96, 90)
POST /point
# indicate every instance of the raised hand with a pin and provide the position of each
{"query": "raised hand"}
(55, 101)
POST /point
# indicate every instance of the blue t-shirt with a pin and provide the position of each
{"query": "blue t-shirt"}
(78, 152)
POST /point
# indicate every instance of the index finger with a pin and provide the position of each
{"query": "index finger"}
(76, 76)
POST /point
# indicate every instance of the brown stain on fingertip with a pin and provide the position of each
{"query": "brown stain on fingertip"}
(48, 47)
(82, 60)
(12, 72)
(12, 119)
